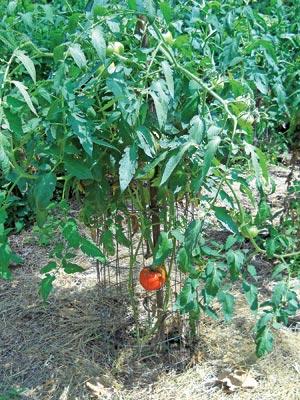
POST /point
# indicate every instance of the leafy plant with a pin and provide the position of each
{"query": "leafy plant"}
(149, 103)
(11, 394)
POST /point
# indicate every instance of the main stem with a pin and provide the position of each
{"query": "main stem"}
(155, 236)
(154, 207)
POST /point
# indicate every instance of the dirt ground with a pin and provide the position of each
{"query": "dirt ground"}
(80, 345)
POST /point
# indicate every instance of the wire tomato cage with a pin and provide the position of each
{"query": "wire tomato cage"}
(127, 253)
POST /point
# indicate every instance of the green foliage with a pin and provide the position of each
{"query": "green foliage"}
(12, 394)
(163, 249)
(164, 120)
(62, 254)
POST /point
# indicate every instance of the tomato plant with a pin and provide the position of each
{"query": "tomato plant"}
(130, 102)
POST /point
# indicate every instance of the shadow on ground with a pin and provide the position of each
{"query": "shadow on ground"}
(84, 333)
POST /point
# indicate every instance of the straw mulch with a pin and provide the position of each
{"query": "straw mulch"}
(81, 346)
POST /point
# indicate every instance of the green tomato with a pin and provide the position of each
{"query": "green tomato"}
(115, 48)
(100, 70)
(250, 232)
(146, 176)
(248, 117)
(253, 231)
(118, 48)
(110, 50)
(168, 38)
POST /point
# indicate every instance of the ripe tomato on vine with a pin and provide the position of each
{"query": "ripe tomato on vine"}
(153, 279)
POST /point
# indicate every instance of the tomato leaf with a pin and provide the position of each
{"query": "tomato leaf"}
(230, 241)
(104, 143)
(132, 4)
(251, 292)
(163, 249)
(210, 152)
(225, 219)
(78, 55)
(27, 62)
(227, 302)
(82, 130)
(263, 164)
(15, 122)
(148, 6)
(279, 292)
(264, 341)
(167, 11)
(91, 250)
(23, 90)
(183, 260)
(213, 279)
(261, 83)
(71, 234)
(3, 216)
(278, 269)
(160, 101)
(187, 299)
(71, 268)
(5, 149)
(49, 267)
(197, 129)
(193, 238)
(98, 42)
(173, 161)
(43, 190)
(78, 168)
(169, 77)
(121, 238)
(252, 271)
(107, 239)
(259, 164)
(146, 141)
(128, 165)
(235, 260)
(46, 286)
(5, 257)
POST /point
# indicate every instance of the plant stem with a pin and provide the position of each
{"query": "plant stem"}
(239, 204)
(133, 256)
(155, 236)
(294, 254)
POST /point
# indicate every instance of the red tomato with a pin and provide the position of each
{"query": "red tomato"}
(153, 279)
